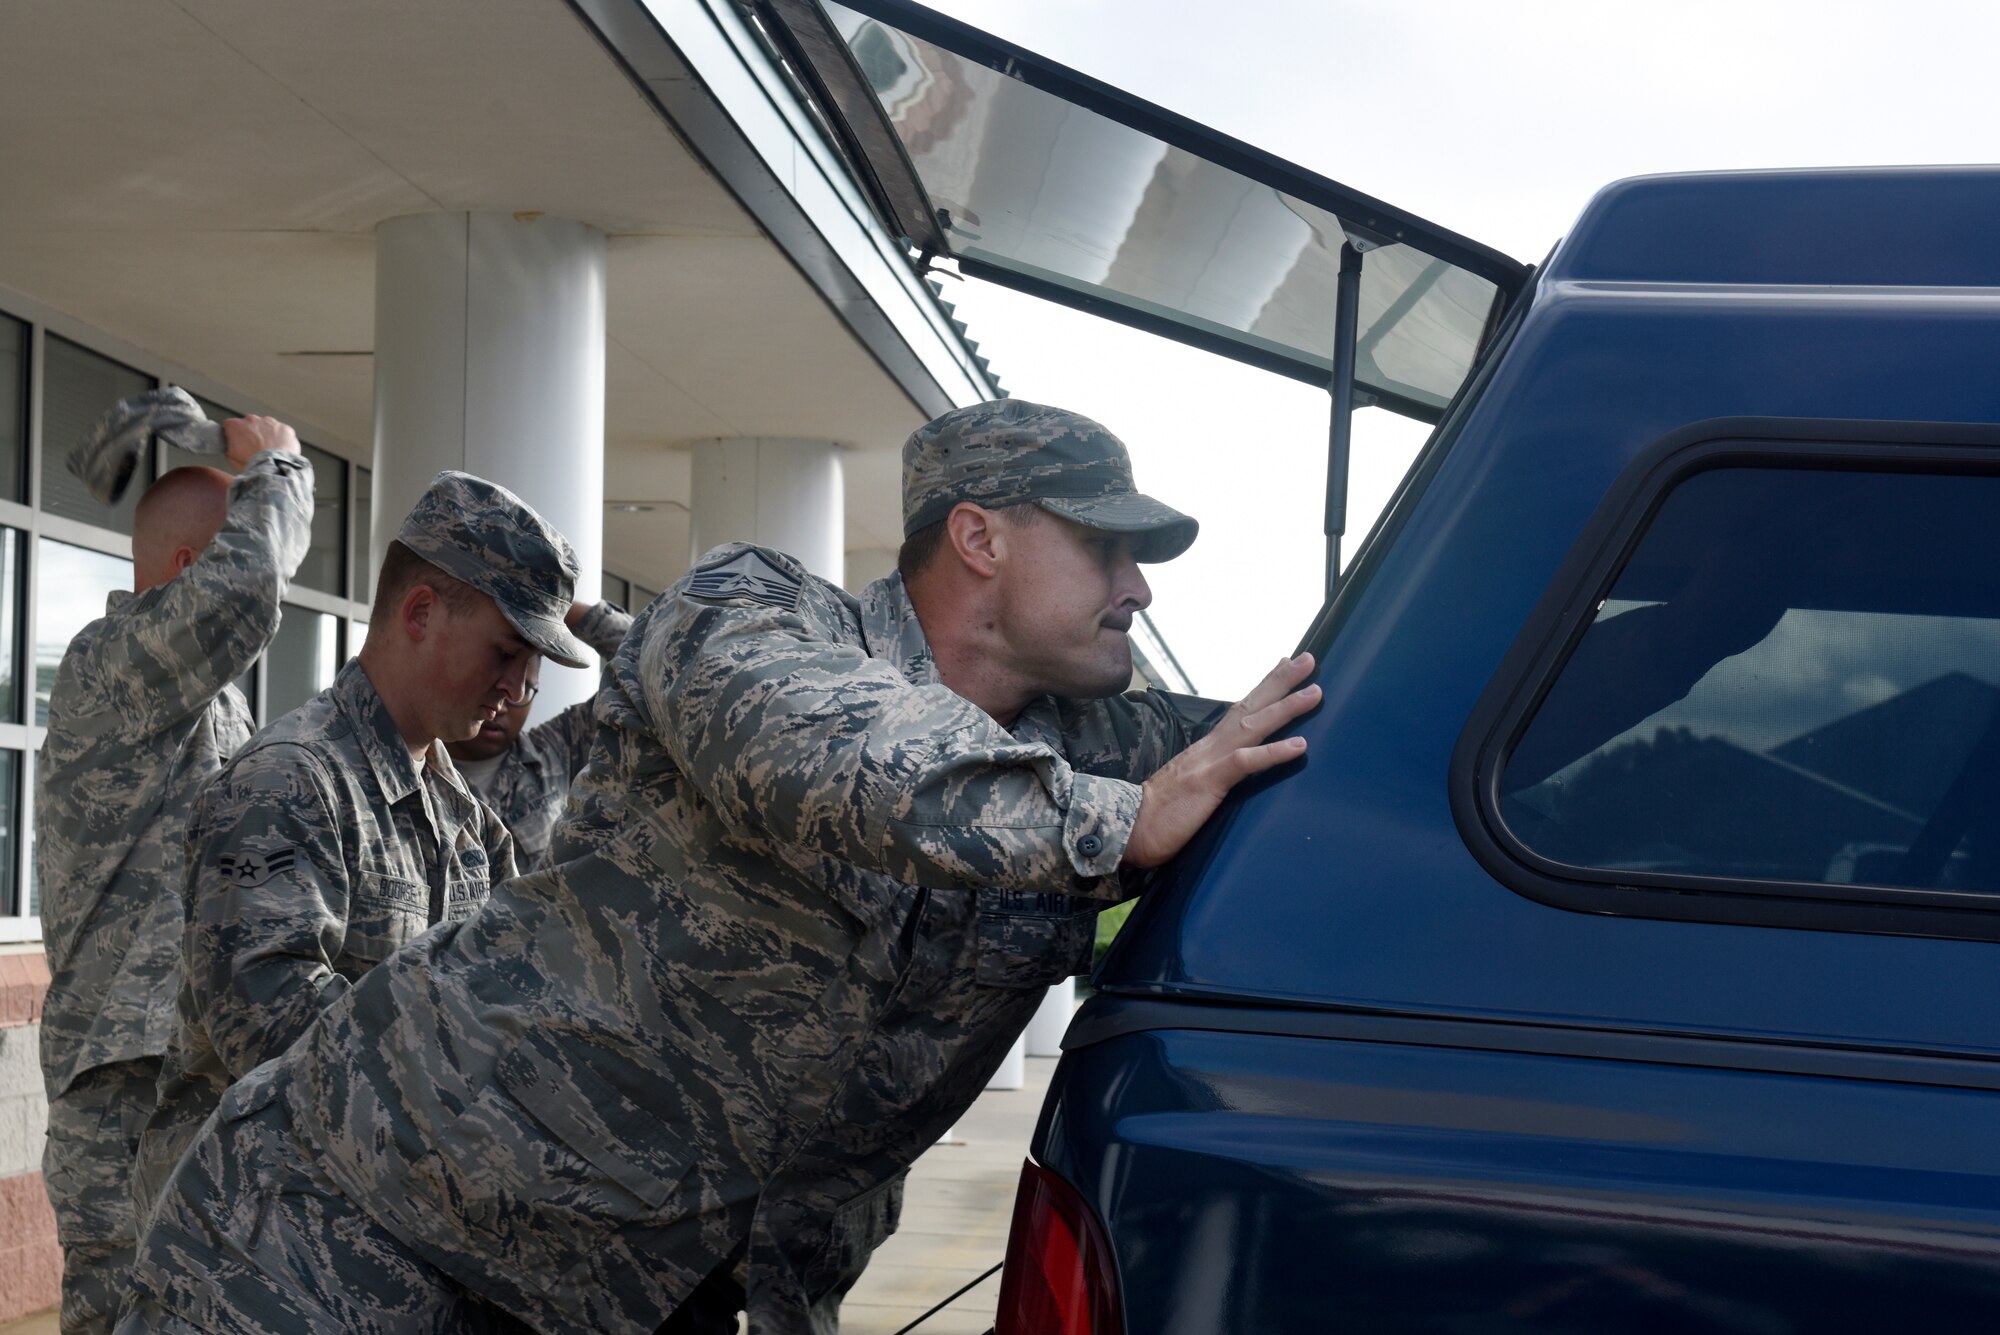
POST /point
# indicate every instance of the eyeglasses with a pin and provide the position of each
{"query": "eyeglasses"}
(527, 696)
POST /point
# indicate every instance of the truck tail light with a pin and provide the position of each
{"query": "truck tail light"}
(1059, 1279)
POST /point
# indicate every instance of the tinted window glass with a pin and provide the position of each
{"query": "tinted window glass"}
(71, 585)
(77, 386)
(364, 496)
(13, 409)
(10, 823)
(1796, 677)
(12, 542)
(301, 661)
(247, 683)
(1019, 177)
(325, 565)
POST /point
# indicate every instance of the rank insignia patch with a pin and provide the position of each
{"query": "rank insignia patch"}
(250, 870)
(746, 575)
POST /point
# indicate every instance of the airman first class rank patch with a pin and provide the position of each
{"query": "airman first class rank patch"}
(249, 870)
(747, 575)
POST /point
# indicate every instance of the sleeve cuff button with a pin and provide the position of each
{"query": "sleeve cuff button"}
(1090, 845)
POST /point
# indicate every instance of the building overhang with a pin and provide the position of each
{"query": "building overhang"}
(202, 180)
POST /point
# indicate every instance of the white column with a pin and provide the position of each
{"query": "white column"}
(489, 357)
(1013, 1069)
(784, 494)
(1051, 1022)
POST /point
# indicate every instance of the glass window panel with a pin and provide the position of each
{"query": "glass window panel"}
(325, 566)
(616, 590)
(13, 409)
(1026, 181)
(247, 683)
(10, 826)
(77, 386)
(642, 598)
(301, 661)
(364, 572)
(1796, 677)
(12, 547)
(71, 586)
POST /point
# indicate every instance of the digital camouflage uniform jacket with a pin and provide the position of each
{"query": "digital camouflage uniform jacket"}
(317, 852)
(140, 715)
(532, 780)
(572, 1102)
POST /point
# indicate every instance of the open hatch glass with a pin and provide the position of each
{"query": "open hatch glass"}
(1041, 178)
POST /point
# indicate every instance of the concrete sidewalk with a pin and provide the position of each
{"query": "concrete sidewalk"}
(955, 1217)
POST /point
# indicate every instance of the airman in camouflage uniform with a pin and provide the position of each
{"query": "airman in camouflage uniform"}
(340, 833)
(141, 714)
(525, 775)
(582, 1101)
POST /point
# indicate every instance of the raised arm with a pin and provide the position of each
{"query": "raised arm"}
(799, 737)
(564, 741)
(208, 624)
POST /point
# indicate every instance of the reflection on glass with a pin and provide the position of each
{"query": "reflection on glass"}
(71, 585)
(325, 565)
(13, 409)
(77, 386)
(301, 661)
(364, 496)
(12, 543)
(10, 823)
(1797, 677)
(247, 684)
(1027, 182)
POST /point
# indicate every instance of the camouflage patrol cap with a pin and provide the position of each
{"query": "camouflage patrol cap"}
(484, 534)
(108, 455)
(1010, 451)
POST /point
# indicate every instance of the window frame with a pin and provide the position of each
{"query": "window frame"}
(21, 734)
(1565, 612)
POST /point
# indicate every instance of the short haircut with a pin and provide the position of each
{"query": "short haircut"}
(921, 547)
(185, 507)
(402, 570)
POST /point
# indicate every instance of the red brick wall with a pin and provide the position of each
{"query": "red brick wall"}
(30, 1260)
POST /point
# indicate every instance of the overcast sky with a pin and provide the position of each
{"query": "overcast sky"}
(1497, 119)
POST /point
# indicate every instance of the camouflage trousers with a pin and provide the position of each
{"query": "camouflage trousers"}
(250, 1238)
(94, 1130)
(850, 1233)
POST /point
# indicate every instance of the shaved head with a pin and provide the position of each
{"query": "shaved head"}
(176, 520)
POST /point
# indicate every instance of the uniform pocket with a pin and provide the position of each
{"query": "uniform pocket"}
(547, 1164)
(579, 1092)
(1031, 939)
(383, 913)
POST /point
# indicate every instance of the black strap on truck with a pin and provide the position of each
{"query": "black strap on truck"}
(1346, 312)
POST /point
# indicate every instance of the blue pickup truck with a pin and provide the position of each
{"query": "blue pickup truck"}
(1623, 958)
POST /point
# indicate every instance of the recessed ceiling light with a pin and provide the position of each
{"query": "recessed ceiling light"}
(643, 506)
